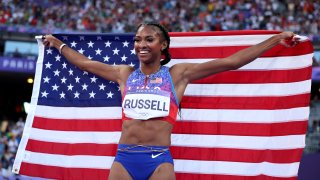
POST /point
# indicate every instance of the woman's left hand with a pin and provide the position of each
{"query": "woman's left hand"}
(289, 39)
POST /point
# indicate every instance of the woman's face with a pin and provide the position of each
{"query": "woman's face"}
(148, 44)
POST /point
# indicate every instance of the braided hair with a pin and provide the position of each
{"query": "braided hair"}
(164, 33)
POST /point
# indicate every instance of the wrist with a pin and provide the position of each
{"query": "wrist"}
(61, 47)
(278, 38)
(275, 40)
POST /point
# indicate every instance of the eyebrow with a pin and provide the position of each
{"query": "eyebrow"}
(144, 36)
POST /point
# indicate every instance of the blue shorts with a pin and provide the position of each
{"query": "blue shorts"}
(141, 161)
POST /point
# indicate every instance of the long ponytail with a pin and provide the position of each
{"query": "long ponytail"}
(167, 56)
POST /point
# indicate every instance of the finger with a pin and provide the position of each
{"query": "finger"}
(300, 38)
(286, 43)
(296, 38)
(46, 43)
(294, 43)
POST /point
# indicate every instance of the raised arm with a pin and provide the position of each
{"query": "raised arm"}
(118, 73)
(238, 59)
(183, 73)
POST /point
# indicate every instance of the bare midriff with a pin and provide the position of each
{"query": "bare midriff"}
(146, 132)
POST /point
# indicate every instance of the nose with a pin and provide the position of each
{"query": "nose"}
(142, 44)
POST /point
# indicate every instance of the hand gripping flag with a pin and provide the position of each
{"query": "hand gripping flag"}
(248, 123)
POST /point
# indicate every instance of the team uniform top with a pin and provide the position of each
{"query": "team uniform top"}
(149, 97)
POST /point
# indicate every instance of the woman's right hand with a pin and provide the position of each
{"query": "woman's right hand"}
(51, 41)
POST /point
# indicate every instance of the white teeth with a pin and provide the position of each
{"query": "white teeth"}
(143, 52)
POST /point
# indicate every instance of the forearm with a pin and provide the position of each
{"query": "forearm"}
(249, 54)
(71, 55)
(103, 70)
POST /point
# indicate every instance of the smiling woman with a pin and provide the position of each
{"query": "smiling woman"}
(152, 93)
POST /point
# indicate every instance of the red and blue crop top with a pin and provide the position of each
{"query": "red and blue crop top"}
(150, 97)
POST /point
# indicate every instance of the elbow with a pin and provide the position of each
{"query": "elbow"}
(237, 63)
(230, 64)
(236, 66)
(233, 65)
(83, 65)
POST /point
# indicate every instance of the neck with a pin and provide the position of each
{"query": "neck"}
(149, 70)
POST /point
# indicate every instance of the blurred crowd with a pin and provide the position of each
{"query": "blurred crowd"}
(10, 136)
(53, 16)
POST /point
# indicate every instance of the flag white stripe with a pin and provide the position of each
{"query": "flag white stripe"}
(236, 168)
(272, 63)
(251, 90)
(201, 115)
(245, 116)
(216, 41)
(239, 142)
(181, 165)
(78, 112)
(75, 137)
(74, 161)
(189, 140)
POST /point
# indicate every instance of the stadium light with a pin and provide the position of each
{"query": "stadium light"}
(30, 80)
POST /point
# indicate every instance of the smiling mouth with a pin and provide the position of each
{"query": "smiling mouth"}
(143, 52)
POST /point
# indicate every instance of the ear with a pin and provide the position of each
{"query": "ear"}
(164, 45)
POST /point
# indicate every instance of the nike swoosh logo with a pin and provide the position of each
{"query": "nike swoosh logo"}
(154, 156)
(134, 80)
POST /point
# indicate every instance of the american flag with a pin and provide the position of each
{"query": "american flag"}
(248, 123)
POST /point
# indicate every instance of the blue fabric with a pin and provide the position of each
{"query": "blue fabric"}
(137, 80)
(55, 69)
(159, 83)
(141, 161)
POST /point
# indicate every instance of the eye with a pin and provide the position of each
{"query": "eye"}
(136, 39)
(150, 39)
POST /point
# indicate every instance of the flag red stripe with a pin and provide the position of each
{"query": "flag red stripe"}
(208, 154)
(254, 77)
(241, 129)
(54, 172)
(228, 177)
(213, 128)
(262, 102)
(224, 51)
(71, 149)
(236, 155)
(77, 125)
